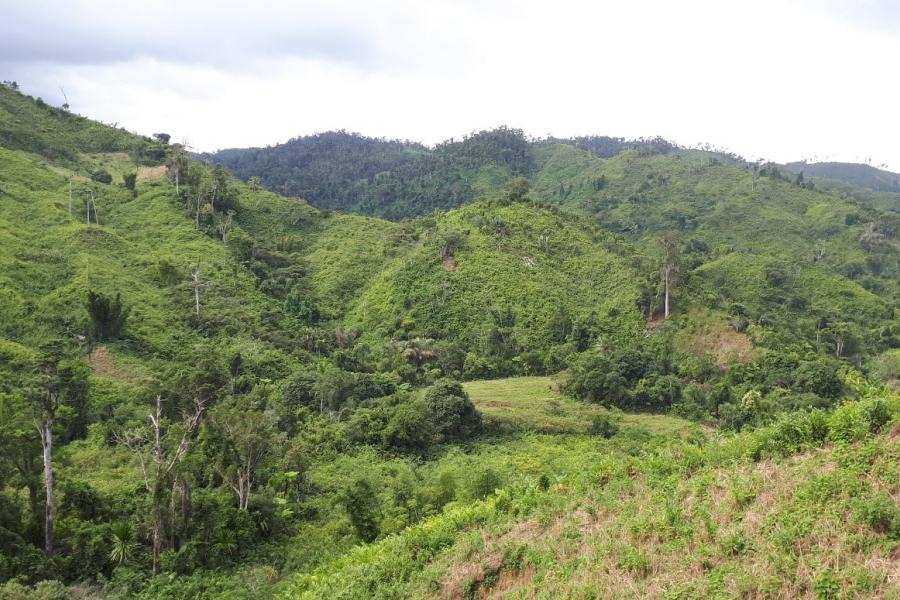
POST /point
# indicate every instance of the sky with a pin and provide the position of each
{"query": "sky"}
(775, 79)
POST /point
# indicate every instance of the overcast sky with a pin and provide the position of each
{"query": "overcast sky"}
(779, 79)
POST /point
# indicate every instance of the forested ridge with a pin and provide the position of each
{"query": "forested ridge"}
(353, 367)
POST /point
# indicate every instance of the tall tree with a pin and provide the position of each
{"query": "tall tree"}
(56, 383)
(160, 447)
(245, 438)
(668, 243)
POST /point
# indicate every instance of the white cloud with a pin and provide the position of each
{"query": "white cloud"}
(768, 78)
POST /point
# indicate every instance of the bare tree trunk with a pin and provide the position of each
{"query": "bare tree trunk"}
(667, 293)
(46, 430)
(157, 525)
(196, 275)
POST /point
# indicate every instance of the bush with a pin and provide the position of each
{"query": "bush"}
(101, 176)
(409, 428)
(451, 412)
(819, 378)
(43, 590)
(880, 512)
(604, 426)
(854, 421)
(484, 483)
(130, 180)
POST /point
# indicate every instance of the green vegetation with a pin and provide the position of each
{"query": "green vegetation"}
(211, 390)
(703, 516)
(387, 178)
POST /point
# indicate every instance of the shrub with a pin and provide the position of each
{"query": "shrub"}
(854, 421)
(604, 426)
(484, 483)
(819, 378)
(880, 512)
(477, 367)
(130, 180)
(409, 428)
(101, 176)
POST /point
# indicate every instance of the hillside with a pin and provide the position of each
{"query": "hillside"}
(784, 252)
(860, 175)
(803, 509)
(241, 394)
(823, 252)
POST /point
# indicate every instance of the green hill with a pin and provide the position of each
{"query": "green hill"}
(865, 176)
(387, 178)
(249, 395)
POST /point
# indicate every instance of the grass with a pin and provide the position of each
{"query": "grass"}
(672, 519)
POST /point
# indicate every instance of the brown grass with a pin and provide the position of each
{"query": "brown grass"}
(102, 362)
(147, 174)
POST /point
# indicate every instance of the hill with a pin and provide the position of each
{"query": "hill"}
(860, 175)
(863, 183)
(208, 389)
(823, 249)
(388, 178)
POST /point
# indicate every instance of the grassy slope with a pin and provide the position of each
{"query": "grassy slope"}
(659, 518)
(543, 262)
(748, 226)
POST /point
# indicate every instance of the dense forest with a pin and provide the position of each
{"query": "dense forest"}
(347, 367)
(386, 178)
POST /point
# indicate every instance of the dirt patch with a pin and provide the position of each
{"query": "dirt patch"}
(513, 580)
(145, 174)
(895, 432)
(449, 264)
(494, 404)
(723, 343)
(102, 362)
(469, 579)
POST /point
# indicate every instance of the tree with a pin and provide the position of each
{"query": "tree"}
(362, 507)
(107, 315)
(197, 284)
(54, 387)
(160, 446)
(178, 165)
(246, 438)
(450, 241)
(668, 243)
(517, 189)
(451, 411)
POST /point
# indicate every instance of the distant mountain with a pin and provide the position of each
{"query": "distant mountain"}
(857, 174)
(875, 187)
(387, 178)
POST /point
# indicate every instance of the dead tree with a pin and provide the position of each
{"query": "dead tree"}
(668, 242)
(197, 285)
(48, 402)
(159, 457)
